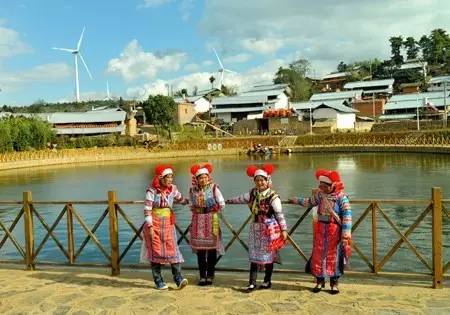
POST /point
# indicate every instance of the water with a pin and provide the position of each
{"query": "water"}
(366, 176)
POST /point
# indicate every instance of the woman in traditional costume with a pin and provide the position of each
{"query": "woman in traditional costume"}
(206, 202)
(331, 229)
(160, 238)
(268, 227)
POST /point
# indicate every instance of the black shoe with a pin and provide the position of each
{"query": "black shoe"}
(249, 288)
(202, 282)
(265, 285)
(318, 287)
(209, 281)
(334, 289)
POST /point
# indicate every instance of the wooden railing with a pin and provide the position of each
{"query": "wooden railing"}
(437, 206)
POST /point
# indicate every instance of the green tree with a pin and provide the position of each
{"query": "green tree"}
(396, 45)
(229, 90)
(295, 76)
(160, 111)
(425, 45)
(342, 67)
(412, 48)
(440, 46)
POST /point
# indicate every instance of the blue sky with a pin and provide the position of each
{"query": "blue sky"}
(139, 46)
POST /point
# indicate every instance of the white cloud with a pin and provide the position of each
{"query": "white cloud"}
(239, 58)
(263, 73)
(207, 63)
(52, 72)
(186, 7)
(11, 44)
(135, 63)
(191, 67)
(323, 32)
(262, 46)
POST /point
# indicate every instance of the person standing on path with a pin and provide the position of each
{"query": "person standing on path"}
(206, 202)
(268, 228)
(160, 238)
(331, 229)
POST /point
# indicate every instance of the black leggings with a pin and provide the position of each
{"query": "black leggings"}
(254, 273)
(207, 262)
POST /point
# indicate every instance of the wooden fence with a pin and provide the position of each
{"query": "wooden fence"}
(436, 206)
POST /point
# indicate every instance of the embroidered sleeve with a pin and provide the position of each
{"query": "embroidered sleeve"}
(309, 201)
(148, 206)
(244, 198)
(219, 197)
(278, 209)
(346, 213)
(177, 196)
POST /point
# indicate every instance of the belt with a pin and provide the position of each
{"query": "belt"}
(161, 212)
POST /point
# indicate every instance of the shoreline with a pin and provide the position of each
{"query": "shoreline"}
(93, 155)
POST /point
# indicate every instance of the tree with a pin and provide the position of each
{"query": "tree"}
(160, 110)
(412, 49)
(229, 90)
(425, 45)
(295, 76)
(396, 45)
(342, 67)
(211, 80)
(440, 46)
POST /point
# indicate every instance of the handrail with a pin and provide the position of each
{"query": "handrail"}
(436, 206)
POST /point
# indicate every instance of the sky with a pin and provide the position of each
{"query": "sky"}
(141, 46)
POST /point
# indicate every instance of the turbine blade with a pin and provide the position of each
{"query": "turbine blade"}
(65, 49)
(230, 71)
(218, 59)
(81, 38)
(85, 65)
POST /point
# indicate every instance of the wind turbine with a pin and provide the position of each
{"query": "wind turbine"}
(108, 95)
(222, 70)
(76, 52)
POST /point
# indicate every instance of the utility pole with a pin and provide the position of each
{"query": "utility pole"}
(310, 119)
(373, 105)
(445, 105)
(417, 111)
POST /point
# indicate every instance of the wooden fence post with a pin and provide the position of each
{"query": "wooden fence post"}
(374, 238)
(113, 233)
(29, 231)
(436, 194)
(70, 238)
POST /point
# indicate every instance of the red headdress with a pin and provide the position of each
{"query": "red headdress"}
(266, 171)
(160, 172)
(200, 169)
(330, 177)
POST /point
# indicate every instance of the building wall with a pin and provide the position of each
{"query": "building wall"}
(324, 113)
(289, 125)
(185, 113)
(202, 105)
(345, 120)
(366, 107)
(226, 117)
(282, 101)
(246, 127)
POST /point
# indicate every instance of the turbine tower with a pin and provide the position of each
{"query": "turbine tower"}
(222, 70)
(76, 52)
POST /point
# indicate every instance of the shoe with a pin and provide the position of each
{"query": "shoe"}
(319, 286)
(249, 288)
(182, 284)
(334, 289)
(209, 281)
(202, 282)
(161, 286)
(265, 285)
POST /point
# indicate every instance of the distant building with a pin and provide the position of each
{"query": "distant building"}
(437, 83)
(343, 116)
(201, 103)
(373, 87)
(405, 106)
(185, 113)
(252, 103)
(406, 88)
(97, 122)
(333, 81)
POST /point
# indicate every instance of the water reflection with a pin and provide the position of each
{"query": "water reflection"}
(366, 176)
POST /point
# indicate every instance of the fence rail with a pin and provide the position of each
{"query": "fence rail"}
(436, 206)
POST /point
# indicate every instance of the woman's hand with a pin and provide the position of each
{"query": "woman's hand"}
(293, 201)
(150, 231)
(184, 202)
(285, 235)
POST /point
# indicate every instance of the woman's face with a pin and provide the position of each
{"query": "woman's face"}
(167, 180)
(325, 187)
(203, 180)
(261, 183)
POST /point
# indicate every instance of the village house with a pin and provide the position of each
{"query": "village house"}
(252, 103)
(333, 82)
(437, 83)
